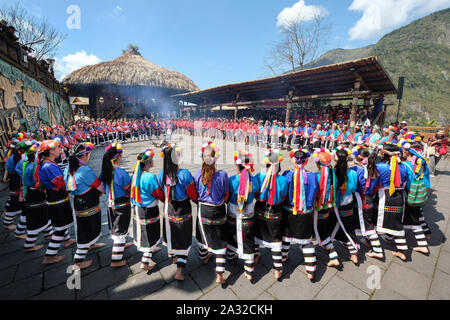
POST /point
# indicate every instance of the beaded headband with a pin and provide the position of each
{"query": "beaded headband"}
(238, 155)
(293, 152)
(342, 148)
(356, 149)
(88, 148)
(270, 152)
(116, 146)
(49, 145)
(321, 153)
(174, 146)
(212, 146)
(148, 154)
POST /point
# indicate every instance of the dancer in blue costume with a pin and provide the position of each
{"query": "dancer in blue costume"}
(298, 209)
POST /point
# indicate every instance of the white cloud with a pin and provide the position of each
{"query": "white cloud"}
(380, 16)
(117, 11)
(73, 62)
(299, 12)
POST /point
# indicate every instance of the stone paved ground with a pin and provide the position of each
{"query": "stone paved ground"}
(22, 275)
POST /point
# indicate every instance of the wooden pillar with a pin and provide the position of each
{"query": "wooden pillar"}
(354, 105)
(288, 111)
(236, 107)
(289, 105)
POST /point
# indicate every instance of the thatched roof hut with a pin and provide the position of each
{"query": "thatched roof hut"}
(128, 78)
(130, 69)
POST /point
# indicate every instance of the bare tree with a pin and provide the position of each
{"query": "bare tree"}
(36, 34)
(299, 44)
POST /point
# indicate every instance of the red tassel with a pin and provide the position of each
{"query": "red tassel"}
(398, 180)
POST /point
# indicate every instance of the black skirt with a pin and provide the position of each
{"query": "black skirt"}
(89, 218)
(366, 213)
(413, 216)
(119, 217)
(146, 228)
(36, 211)
(390, 220)
(298, 228)
(324, 225)
(241, 238)
(179, 221)
(347, 215)
(269, 225)
(13, 204)
(211, 232)
(59, 209)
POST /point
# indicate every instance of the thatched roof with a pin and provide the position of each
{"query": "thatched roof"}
(131, 69)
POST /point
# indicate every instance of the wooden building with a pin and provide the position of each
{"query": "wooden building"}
(362, 79)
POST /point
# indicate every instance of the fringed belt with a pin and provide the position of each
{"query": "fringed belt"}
(149, 221)
(36, 205)
(58, 202)
(245, 222)
(89, 212)
(268, 216)
(310, 210)
(346, 213)
(214, 222)
(322, 216)
(181, 219)
(393, 209)
(122, 205)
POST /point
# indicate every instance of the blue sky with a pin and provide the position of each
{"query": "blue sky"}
(213, 42)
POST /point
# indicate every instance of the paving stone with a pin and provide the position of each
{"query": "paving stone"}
(265, 296)
(102, 279)
(7, 275)
(340, 289)
(18, 257)
(440, 286)
(323, 273)
(136, 286)
(177, 290)
(219, 293)
(407, 282)
(368, 261)
(419, 263)
(358, 276)
(242, 287)
(444, 262)
(168, 270)
(296, 287)
(102, 295)
(32, 267)
(6, 249)
(205, 277)
(57, 293)
(23, 289)
(387, 294)
(58, 275)
(134, 263)
(94, 266)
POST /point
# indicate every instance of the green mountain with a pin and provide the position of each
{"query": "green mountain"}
(420, 52)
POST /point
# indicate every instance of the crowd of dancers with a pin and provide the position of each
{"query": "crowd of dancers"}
(372, 182)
